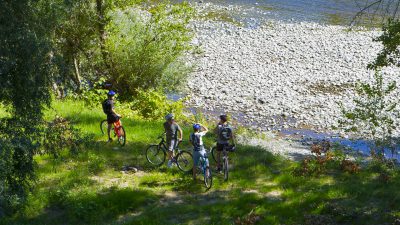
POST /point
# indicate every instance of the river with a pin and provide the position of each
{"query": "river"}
(335, 12)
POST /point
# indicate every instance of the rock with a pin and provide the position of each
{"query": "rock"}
(286, 69)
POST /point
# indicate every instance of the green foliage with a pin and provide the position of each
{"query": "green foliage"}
(17, 149)
(94, 95)
(59, 135)
(24, 60)
(130, 44)
(390, 40)
(324, 160)
(372, 116)
(154, 105)
(24, 80)
(146, 47)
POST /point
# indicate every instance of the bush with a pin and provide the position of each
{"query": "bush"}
(155, 105)
(325, 159)
(372, 116)
(147, 46)
(59, 134)
(16, 165)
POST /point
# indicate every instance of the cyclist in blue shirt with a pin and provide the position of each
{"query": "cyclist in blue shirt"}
(196, 138)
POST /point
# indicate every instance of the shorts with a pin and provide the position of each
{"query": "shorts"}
(171, 144)
(220, 147)
(198, 154)
(112, 118)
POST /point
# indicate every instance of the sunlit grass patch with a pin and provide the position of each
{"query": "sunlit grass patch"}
(92, 187)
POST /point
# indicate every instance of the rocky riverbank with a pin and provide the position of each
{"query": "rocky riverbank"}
(279, 75)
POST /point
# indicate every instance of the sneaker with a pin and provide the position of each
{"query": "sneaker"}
(109, 140)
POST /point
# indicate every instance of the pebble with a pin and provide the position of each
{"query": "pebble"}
(298, 70)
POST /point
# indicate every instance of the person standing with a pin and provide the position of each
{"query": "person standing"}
(196, 138)
(225, 136)
(173, 134)
(108, 109)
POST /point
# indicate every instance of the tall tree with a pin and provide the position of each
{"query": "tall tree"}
(24, 80)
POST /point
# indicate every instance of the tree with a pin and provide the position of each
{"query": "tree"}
(373, 115)
(390, 39)
(127, 43)
(377, 10)
(24, 81)
(148, 47)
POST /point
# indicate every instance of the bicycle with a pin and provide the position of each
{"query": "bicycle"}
(119, 130)
(156, 154)
(225, 161)
(205, 169)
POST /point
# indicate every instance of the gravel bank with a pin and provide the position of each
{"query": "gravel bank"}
(279, 75)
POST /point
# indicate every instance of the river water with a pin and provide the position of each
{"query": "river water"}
(335, 12)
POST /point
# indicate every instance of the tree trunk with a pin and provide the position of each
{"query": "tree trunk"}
(77, 77)
(57, 91)
(102, 33)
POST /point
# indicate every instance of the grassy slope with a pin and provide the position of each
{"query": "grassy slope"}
(91, 189)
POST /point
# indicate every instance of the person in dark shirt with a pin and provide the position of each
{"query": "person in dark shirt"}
(171, 131)
(225, 135)
(112, 116)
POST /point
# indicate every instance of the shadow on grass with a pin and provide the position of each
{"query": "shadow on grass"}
(263, 184)
(96, 208)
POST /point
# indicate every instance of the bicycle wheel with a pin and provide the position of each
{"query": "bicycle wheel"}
(155, 155)
(121, 136)
(103, 126)
(225, 168)
(207, 178)
(184, 160)
(214, 153)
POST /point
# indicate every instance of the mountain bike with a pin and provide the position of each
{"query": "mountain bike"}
(156, 154)
(119, 130)
(205, 169)
(225, 161)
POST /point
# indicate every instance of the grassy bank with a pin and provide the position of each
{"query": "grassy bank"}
(92, 188)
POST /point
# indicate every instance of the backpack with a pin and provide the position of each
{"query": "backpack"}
(106, 107)
(225, 133)
(196, 142)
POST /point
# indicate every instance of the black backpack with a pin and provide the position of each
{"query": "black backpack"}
(196, 142)
(225, 133)
(106, 107)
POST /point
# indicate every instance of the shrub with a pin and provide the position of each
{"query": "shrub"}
(373, 115)
(59, 134)
(146, 47)
(155, 105)
(323, 160)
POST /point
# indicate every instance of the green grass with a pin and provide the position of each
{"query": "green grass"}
(89, 188)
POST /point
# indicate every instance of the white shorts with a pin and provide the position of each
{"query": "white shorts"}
(171, 145)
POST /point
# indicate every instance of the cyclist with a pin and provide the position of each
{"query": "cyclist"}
(225, 135)
(171, 130)
(196, 138)
(108, 109)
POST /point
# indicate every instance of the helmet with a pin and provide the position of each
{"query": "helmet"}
(196, 126)
(169, 116)
(111, 93)
(223, 117)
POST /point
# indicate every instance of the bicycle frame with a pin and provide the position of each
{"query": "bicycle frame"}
(203, 163)
(164, 146)
(117, 125)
